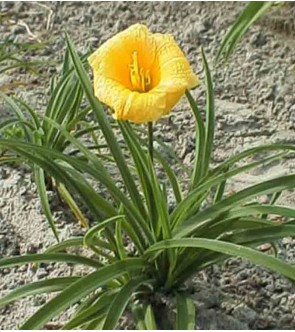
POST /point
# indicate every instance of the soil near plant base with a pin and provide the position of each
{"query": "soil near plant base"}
(255, 97)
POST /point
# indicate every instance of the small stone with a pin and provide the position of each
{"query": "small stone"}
(39, 300)
(22, 268)
(258, 40)
(265, 247)
(31, 249)
(5, 271)
(18, 30)
(3, 243)
(286, 320)
(244, 313)
(41, 273)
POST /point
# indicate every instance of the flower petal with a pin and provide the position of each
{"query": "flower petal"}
(173, 93)
(144, 107)
(110, 92)
(114, 57)
(172, 63)
(127, 104)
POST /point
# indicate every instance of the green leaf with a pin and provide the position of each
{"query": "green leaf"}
(258, 208)
(210, 116)
(92, 311)
(120, 302)
(98, 205)
(138, 312)
(119, 240)
(251, 238)
(8, 123)
(257, 236)
(94, 231)
(249, 15)
(201, 219)
(200, 141)
(41, 187)
(229, 249)
(80, 289)
(149, 319)
(185, 313)
(33, 115)
(250, 152)
(140, 161)
(61, 246)
(39, 287)
(19, 114)
(157, 204)
(171, 176)
(65, 258)
(56, 100)
(72, 205)
(199, 194)
(65, 174)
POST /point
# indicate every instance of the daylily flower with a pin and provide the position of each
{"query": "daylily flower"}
(140, 75)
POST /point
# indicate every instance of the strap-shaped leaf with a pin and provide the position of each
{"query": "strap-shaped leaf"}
(149, 318)
(140, 162)
(100, 173)
(9, 123)
(249, 15)
(185, 313)
(92, 311)
(41, 187)
(154, 195)
(210, 116)
(79, 289)
(231, 249)
(19, 114)
(43, 286)
(270, 186)
(201, 191)
(61, 246)
(92, 200)
(282, 211)
(31, 113)
(72, 205)
(250, 152)
(200, 141)
(95, 230)
(120, 302)
(96, 203)
(251, 238)
(56, 257)
(171, 176)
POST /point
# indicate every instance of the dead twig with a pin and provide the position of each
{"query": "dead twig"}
(29, 32)
(49, 22)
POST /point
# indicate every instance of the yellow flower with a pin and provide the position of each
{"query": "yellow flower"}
(140, 75)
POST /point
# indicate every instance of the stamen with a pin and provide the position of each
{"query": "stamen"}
(139, 77)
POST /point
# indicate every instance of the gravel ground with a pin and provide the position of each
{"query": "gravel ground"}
(255, 97)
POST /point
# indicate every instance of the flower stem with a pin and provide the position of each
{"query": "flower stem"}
(151, 143)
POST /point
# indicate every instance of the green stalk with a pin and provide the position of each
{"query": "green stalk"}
(151, 141)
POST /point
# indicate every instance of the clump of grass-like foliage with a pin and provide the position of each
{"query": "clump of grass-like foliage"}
(168, 247)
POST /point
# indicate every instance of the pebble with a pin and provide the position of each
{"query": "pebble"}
(41, 273)
(18, 30)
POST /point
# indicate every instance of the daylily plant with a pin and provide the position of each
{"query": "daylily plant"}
(138, 247)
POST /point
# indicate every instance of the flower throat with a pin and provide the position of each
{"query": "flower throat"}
(139, 77)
